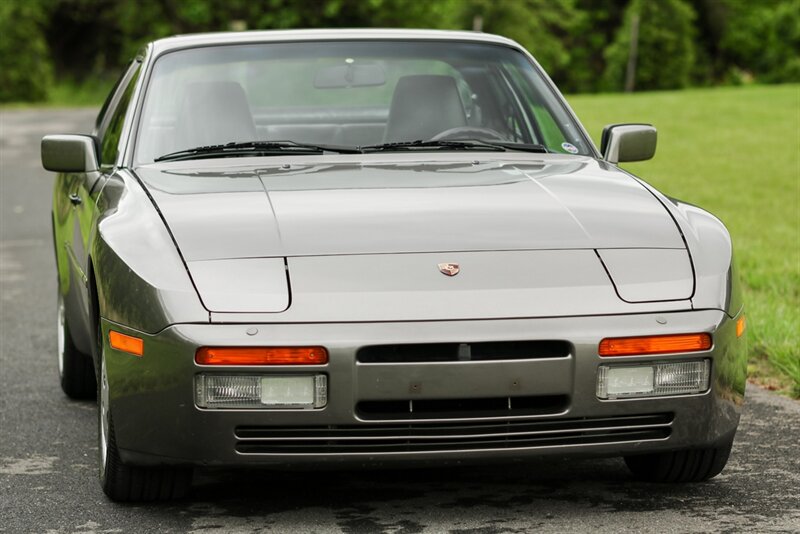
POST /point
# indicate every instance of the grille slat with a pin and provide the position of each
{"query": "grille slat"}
(454, 352)
(420, 437)
(462, 408)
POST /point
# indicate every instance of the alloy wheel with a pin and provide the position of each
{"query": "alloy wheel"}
(60, 335)
(104, 416)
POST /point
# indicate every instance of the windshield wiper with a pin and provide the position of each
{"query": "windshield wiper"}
(497, 146)
(523, 147)
(254, 147)
(414, 145)
(263, 148)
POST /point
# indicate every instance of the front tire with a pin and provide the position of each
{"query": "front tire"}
(75, 369)
(128, 483)
(693, 465)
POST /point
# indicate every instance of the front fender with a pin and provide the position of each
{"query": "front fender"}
(711, 247)
(141, 278)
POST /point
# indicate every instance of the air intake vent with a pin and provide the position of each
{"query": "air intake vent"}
(372, 438)
(453, 352)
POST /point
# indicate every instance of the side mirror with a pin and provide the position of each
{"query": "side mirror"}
(628, 142)
(69, 153)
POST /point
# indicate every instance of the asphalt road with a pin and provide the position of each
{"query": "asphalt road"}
(48, 448)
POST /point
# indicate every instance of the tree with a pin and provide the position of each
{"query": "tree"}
(666, 50)
(594, 27)
(541, 26)
(26, 71)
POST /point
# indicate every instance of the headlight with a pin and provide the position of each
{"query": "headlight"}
(653, 379)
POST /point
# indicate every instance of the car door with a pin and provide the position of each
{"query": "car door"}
(84, 190)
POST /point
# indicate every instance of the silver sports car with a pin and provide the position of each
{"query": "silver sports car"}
(364, 247)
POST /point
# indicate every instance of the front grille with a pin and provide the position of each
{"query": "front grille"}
(438, 437)
(462, 408)
(454, 352)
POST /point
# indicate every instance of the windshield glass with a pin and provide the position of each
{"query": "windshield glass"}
(350, 94)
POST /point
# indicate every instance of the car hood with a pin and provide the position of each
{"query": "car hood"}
(379, 207)
(353, 239)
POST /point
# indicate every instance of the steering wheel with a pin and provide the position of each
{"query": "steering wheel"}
(469, 132)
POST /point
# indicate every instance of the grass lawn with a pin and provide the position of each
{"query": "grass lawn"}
(735, 151)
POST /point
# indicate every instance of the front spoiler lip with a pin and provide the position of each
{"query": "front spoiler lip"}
(158, 422)
(416, 458)
(421, 459)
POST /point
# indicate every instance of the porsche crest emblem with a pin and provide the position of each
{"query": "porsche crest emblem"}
(450, 269)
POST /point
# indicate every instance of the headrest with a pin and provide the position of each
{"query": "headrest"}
(422, 106)
(213, 113)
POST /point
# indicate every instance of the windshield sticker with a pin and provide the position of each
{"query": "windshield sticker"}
(569, 147)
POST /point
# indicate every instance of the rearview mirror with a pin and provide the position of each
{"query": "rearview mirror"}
(628, 142)
(350, 75)
(69, 153)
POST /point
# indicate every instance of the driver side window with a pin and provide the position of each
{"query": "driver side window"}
(110, 128)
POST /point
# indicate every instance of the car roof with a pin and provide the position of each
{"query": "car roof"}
(177, 42)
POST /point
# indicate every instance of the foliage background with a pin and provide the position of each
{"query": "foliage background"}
(583, 44)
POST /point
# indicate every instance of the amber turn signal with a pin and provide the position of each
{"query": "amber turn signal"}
(637, 346)
(741, 324)
(125, 343)
(261, 356)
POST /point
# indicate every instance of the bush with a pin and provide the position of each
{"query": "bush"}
(25, 69)
(763, 39)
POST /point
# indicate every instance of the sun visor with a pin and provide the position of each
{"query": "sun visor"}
(254, 285)
(649, 275)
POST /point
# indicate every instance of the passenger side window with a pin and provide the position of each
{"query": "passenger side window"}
(552, 126)
(112, 130)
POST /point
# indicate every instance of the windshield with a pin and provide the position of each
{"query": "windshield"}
(351, 94)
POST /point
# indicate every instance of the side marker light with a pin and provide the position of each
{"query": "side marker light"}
(125, 343)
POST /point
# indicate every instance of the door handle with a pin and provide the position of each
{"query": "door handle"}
(75, 199)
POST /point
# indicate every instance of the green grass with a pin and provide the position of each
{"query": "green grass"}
(91, 92)
(736, 152)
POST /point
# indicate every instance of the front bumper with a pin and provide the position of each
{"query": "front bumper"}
(156, 420)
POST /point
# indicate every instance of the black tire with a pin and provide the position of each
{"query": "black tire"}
(129, 483)
(75, 369)
(693, 465)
